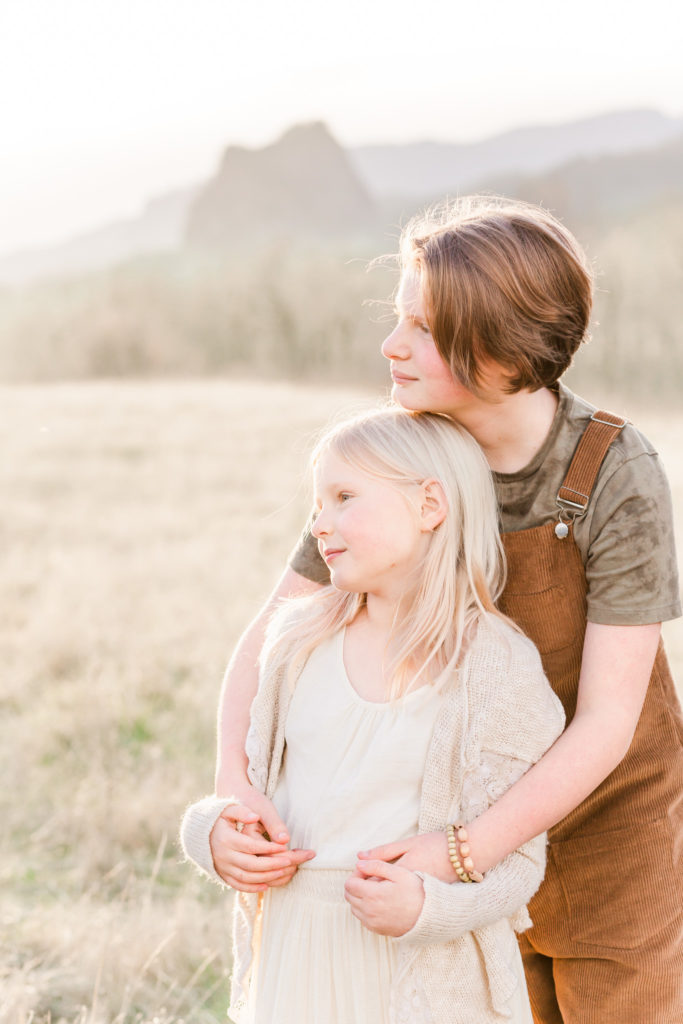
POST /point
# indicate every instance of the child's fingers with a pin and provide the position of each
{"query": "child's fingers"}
(263, 849)
(265, 877)
(283, 876)
(380, 869)
(300, 856)
(238, 812)
(246, 860)
(285, 879)
(390, 851)
(225, 837)
(266, 813)
(243, 886)
(254, 830)
(273, 823)
(256, 865)
(278, 879)
(246, 880)
(354, 888)
(257, 846)
(240, 875)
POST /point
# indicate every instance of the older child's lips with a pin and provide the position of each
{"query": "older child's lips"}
(331, 553)
(401, 378)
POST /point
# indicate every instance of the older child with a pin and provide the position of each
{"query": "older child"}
(397, 697)
(494, 301)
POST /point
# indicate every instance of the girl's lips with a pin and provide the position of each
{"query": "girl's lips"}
(401, 378)
(332, 553)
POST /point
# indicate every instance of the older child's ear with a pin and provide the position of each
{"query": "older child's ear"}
(433, 506)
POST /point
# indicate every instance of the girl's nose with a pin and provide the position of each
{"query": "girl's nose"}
(394, 345)
(318, 527)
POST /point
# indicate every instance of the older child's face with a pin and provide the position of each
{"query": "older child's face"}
(422, 381)
(368, 530)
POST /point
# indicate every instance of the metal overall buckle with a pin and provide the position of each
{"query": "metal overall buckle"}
(570, 511)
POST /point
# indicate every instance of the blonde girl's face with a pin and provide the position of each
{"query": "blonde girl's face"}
(368, 530)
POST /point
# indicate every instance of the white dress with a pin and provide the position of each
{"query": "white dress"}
(351, 780)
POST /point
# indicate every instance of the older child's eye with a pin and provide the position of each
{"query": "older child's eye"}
(421, 325)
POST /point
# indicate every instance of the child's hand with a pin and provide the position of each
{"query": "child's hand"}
(385, 898)
(252, 802)
(245, 859)
(255, 830)
(427, 852)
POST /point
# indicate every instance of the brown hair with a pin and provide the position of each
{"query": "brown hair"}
(504, 281)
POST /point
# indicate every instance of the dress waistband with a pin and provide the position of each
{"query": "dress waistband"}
(318, 883)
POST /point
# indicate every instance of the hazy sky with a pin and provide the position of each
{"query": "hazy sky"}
(106, 103)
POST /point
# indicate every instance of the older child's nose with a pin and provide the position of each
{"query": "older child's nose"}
(395, 345)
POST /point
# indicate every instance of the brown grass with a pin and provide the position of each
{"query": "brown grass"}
(142, 526)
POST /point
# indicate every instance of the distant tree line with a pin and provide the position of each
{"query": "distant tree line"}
(309, 313)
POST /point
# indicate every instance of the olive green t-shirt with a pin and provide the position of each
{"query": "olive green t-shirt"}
(625, 537)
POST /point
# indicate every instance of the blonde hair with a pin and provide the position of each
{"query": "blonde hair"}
(462, 573)
(501, 280)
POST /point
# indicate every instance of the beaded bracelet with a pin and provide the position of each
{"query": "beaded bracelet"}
(457, 835)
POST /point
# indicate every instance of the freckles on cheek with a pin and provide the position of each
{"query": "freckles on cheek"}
(436, 368)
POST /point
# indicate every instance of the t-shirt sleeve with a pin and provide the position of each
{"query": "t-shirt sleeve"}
(631, 567)
(307, 560)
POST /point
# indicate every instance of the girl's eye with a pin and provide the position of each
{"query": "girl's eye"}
(420, 325)
(344, 496)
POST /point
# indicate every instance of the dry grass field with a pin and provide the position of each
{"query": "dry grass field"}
(142, 526)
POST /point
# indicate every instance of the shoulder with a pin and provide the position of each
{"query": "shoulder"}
(629, 445)
(518, 711)
(631, 486)
(289, 615)
(502, 660)
(497, 643)
(528, 497)
(631, 478)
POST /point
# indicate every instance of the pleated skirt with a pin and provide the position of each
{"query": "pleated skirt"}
(316, 963)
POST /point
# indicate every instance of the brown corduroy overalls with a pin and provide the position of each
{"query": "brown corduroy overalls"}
(607, 942)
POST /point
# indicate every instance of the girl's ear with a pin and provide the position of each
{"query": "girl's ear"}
(433, 505)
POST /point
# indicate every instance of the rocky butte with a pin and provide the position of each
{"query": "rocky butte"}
(302, 187)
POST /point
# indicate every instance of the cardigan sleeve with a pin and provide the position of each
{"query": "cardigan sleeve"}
(451, 910)
(195, 832)
(519, 717)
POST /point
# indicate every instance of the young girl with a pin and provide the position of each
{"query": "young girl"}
(494, 301)
(395, 699)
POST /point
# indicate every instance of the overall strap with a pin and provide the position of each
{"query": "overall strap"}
(578, 484)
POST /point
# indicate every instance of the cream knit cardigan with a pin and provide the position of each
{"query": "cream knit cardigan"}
(497, 716)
